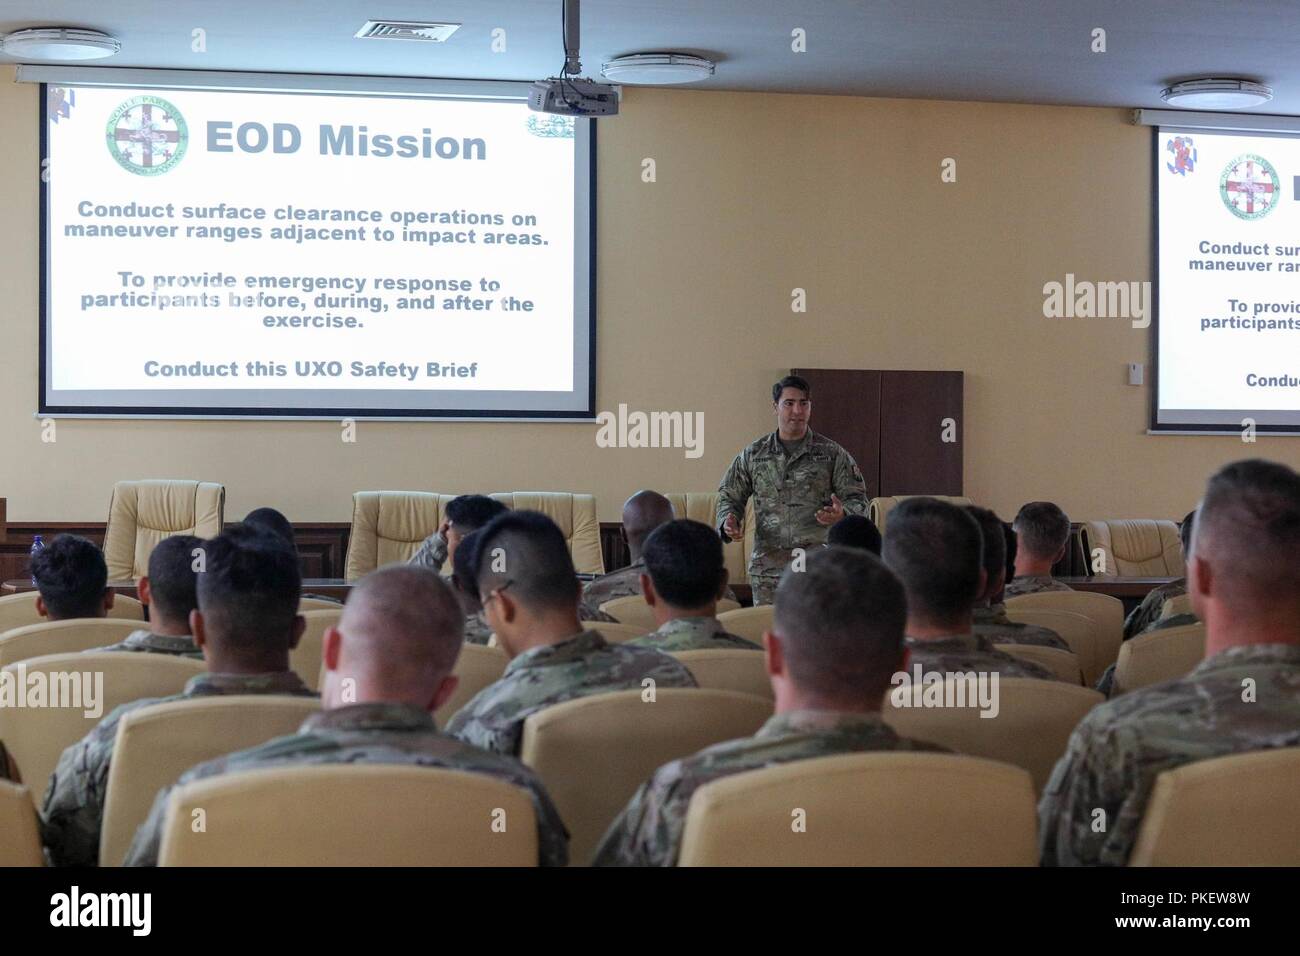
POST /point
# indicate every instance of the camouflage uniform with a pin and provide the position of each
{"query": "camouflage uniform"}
(1120, 747)
(787, 490)
(369, 733)
(968, 652)
(1034, 584)
(1174, 620)
(578, 666)
(625, 582)
(73, 810)
(145, 641)
(693, 634)
(993, 623)
(431, 554)
(1148, 612)
(649, 830)
(477, 629)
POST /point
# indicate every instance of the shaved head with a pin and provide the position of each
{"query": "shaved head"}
(642, 513)
(402, 629)
(1248, 531)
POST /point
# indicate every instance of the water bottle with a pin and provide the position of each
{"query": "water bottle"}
(37, 547)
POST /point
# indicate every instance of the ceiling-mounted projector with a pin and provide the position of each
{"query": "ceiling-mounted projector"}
(570, 94)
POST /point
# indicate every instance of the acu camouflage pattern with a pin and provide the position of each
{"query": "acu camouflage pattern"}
(431, 554)
(370, 733)
(624, 582)
(788, 490)
(73, 810)
(477, 629)
(964, 653)
(1174, 620)
(1034, 584)
(144, 641)
(538, 678)
(649, 830)
(693, 634)
(1121, 746)
(993, 623)
(1148, 612)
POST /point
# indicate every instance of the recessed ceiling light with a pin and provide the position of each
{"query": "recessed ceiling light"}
(1214, 93)
(59, 43)
(657, 68)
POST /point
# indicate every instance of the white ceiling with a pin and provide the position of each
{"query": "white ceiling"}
(1030, 51)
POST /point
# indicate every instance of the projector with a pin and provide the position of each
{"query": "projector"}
(573, 96)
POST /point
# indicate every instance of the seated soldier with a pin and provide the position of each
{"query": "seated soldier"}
(530, 596)
(836, 643)
(937, 551)
(642, 513)
(466, 589)
(272, 522)
(994, 623)
(463, 515)
(396, 643)
(246, 623)
(1145, 615)
(855, 531)
(1244, 580)
(683, 578)
(170, 591)
(1043, 533)
(71, 580)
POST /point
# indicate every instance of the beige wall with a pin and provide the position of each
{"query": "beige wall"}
(756, 195)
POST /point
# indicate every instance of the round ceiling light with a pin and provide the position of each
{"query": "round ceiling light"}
(1217, 94)
(59, 43)
(657, 68)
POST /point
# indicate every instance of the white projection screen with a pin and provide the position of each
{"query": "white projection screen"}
(1227, 330)
(231, 245)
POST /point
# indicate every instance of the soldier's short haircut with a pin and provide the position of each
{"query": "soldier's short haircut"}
(1043, 528)
(684, 560)
(471, 512)
(249, 588)
(995, 548)
(462, 565)
(71, 575)
(1248, 529)
(526, 552)
(406, 622)
(855, 531)
(937, 550)
(841, 622)
(1185, 532)
(791, 381)
(173, 580)
(272, 522)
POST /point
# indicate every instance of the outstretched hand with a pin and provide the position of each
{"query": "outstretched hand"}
(831, 513)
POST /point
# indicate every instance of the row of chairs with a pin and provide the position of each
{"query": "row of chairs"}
(388, 526)
(615, 730)
(877, 809)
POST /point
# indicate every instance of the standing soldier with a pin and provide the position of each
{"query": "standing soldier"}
(801, 482)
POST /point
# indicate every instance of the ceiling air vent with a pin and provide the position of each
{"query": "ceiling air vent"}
(406, 30)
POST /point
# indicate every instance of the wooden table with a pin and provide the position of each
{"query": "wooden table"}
(1117, 586)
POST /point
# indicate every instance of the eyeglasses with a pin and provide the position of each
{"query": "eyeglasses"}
(495, 591)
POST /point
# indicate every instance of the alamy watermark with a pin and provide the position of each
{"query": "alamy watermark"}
(76, 690)
(1100, 300)
(637, 429)
(951, 689)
